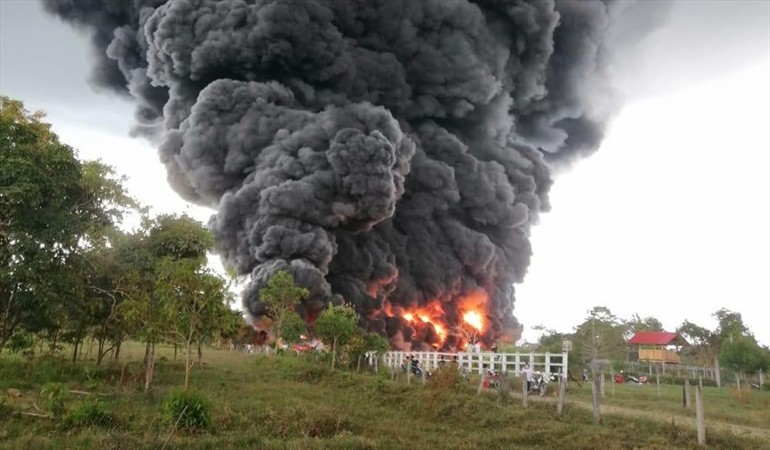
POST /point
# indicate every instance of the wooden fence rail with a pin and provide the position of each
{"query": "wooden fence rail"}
(550, 363)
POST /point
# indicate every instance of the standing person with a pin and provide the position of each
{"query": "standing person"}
(527, 371)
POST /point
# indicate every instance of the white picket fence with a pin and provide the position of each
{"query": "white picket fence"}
(550, 363)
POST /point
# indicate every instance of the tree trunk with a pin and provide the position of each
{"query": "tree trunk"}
(146, 353)
(187, 365)
(175, 349)
(150, 363)
(595, 392)
(87, 354)
(601, 384)
(200, 355)
(52, 347)
(334, 351)
(738, 380)
(75, 351)
(117, 350)
(358, 364)
(100, 351)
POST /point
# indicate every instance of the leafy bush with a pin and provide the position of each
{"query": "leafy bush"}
(54, 395)
(188, 409)
(447, 377)
(91, 413)
(19, 342)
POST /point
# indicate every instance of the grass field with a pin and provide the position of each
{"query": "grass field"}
(297, 403)
(727, 405)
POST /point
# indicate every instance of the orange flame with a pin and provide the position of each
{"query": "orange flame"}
(471, 318)
(474, 319)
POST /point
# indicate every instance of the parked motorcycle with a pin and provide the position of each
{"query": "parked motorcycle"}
(492, 378)
(538, 385)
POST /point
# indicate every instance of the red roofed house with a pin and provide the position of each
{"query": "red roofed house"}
(656, 346)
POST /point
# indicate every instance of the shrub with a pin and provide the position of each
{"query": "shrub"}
(447, 377)
(54, 395)
(91, 413)
(188, 409)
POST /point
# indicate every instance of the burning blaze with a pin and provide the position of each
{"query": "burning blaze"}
(462, 322)
(474, 319)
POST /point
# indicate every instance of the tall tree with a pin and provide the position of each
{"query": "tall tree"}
(639, 323)
(600, 336)
(335, 326)
(194, 302)
(167, 239)
(281, 296)
(52, 208)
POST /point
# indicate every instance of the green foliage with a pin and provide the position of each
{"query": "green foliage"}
(20, 342)
(55, 212)
(91, 413)
(54, 395)
(281, 296)
(292, 327)
(188, 409)
(335, 326)
(447, 377)
(270, 403)
(743, 354)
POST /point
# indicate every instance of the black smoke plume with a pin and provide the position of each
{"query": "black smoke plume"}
(389, 153)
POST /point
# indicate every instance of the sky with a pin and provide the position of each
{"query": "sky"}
(670, 218)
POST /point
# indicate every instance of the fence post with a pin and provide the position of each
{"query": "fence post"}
(547, 364)
(657, 379)
(699, 419)
(595, 388)
(565, 365)
(562, 393)
(524, 389)
(686, 393)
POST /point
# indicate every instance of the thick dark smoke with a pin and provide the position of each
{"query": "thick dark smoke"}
(380, 150)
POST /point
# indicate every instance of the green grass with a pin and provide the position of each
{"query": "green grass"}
(749, 408)
(296, 403)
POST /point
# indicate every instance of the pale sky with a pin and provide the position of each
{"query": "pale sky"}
(670, 218)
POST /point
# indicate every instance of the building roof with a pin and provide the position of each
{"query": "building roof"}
(657, 338)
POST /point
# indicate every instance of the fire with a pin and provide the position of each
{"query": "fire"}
(469, 311)
(474, 319)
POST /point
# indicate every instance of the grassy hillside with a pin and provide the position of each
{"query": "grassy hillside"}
(295, 403)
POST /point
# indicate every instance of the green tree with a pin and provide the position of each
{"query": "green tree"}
(335, 326)
(167, 239)
(600, 336)
(638, 323)
(52, 209)
(744, 356)
(280, 297)
(292, 328)
(194, 301)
